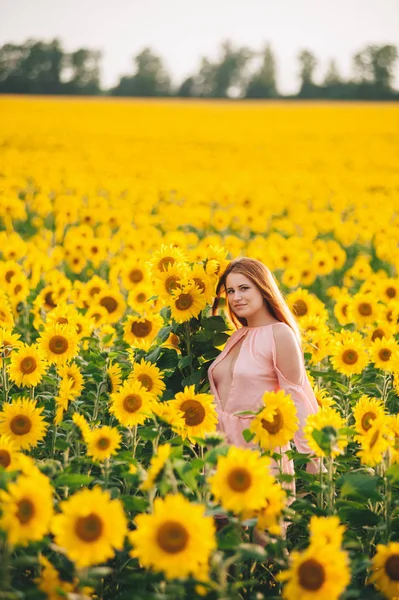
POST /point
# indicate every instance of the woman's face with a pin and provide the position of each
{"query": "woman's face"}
(244, 297)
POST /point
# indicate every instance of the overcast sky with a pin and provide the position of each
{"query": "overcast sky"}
(182, 31)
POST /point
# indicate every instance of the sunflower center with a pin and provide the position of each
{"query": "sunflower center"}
(132, 403)
(199, 284)
(392, 567)
(174, 340)
(9, 275)
(311, 575)
(103, 443)
(58, 344)
(141, 330)
(194, 412)
(350, 357)
(94, 290)
(135, 276)
(146, 382)
(141, 297)
(5, 458)
(17, 288)
(184, 302)
(89, 528)
(239, 479)
(28, 365)
(171, 284)
(390, 292)
(6, 348)
(165, 262)
(172, 537)
(26, 511)
(385, 354)
(62, 320)
(365, 309)
(367, 419)
(48, 298)
(275, 425)
(300, 308)
(377, 334)
(20, 425)
(109, 303)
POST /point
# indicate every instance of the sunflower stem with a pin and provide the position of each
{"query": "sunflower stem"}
(106, 473)
(330, 497)
(387, 499)
(187, 338)
(321, 495)
(5, 566)
(133, 434)
(5, 382)
(32, 392)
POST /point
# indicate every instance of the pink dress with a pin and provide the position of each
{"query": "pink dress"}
(254, 372)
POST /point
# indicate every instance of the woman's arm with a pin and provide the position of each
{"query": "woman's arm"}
(290, 368)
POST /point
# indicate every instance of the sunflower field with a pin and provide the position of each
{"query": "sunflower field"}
(116, 217)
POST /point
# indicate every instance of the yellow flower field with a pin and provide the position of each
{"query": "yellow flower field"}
(116, 218)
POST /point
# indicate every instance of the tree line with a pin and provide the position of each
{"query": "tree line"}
(39, 67)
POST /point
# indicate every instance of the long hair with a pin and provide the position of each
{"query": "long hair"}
(262, 277)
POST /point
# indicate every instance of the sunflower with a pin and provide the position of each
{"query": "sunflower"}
(375, 442)
(90, 527)
(133, 273)
(275, 425)
(164, 258)
(27, 509)
(139, 297)
(241, 480)
(216, 261)
(365, 411)
(83, 425)
(341, 305)
(269, 516)
(27, 366)
(131, 404)
(102, 442)
(141, 332)
(302, 303)
(205, 282)
(112, 300)
(382, 351)
(157, 464)
(316, 574)
(8, 342)
(382, 329)
(59, 343)
(330, 419)
(318, 346)
(91, 290)
(394, 427)
(186, 302)
(63, 314)
(198, 412)
(56, 588)
(6, 316)
(23, 423)
(177, 538)
(349, 357)
(63, 398)
(72, 371)
(172, 342)
(363, 309)
(169, 280)
(389, 288)
(114, 378)
(8, 453)
(149, 376)
(385, 569)
(326, 531)
(322, 397)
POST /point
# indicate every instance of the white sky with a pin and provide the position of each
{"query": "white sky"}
(182, 31)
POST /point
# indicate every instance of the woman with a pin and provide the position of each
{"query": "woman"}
(264, 354)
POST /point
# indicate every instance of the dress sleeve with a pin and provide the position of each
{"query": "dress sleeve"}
(305, 402)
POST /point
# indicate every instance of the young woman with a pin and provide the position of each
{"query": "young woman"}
(263, 354)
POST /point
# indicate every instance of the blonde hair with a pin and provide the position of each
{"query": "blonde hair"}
(262, 277)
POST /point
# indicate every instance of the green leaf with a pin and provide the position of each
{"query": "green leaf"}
(163, 334)
(148, 433)
(359, 487)
(185, 361)
(73, 479)
(193, 379)
(393, 474)
(214, 324)
(248, 435)
(134, 503)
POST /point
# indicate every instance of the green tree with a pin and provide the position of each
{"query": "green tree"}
(84, 70)
(307, 65)
(150, 78)
(375, 64)
(262, 83)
